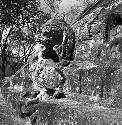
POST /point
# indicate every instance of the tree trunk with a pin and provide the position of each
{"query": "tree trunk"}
(102, 87)
(80, 80)
(3, 56)
(3, 53)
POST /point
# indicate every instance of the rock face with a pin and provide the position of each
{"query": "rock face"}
(59, 41)
(98, 35)
(55, 31)
(97, 25)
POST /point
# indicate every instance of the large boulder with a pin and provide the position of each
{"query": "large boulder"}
(44, 74)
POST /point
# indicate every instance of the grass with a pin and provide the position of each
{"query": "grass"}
(8, 115)
(76, 109)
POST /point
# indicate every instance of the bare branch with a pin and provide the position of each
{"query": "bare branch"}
(9, 33)
(3, 27)
(30, 52)
(50, 5)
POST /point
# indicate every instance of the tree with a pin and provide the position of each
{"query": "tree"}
(15, 17)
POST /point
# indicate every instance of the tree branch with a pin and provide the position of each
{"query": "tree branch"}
(3, 27)
(27, 55)
(30, 52)
(9, 33)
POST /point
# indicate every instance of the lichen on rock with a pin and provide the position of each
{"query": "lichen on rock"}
(45, 75)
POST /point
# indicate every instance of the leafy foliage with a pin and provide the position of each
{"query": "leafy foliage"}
(20, 22)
